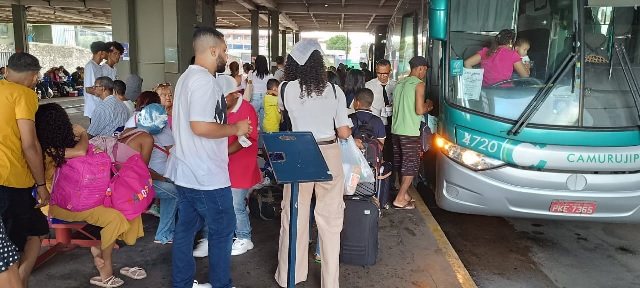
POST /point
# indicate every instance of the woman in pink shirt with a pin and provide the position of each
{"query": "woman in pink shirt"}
(499, 61)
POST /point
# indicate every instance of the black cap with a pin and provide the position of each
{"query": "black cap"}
(418, 61)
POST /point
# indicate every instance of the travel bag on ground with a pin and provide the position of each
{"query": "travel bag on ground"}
(359, 236)
(380, 188)
(265, 202)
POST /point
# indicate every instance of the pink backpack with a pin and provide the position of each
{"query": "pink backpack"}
(131, 189)
(80, 183)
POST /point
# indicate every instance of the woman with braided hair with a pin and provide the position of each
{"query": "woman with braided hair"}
(499, 60)
(320, 107)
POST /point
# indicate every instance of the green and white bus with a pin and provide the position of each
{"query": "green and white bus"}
(563, 143)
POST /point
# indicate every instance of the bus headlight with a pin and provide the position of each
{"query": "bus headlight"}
(466, 157)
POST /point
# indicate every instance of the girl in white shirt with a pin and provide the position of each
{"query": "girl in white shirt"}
(258, 78)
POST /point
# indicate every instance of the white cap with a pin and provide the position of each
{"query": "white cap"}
(228, 84)
(303, 49)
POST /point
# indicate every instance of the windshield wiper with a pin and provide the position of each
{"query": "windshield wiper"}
(628, 74)
(542, 95)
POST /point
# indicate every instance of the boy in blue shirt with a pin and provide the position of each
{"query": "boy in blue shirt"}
(364, 121)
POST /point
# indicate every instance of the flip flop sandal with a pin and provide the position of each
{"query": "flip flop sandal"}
(110, 282)
(408, 206)
(136, 273)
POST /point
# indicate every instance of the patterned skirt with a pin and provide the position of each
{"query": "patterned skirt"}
(8, 252)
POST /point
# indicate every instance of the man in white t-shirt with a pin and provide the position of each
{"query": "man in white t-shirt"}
(108, 68)
(93, 71)
(198, 164)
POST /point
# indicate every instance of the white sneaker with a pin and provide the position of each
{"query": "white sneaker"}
(198, 285)
(202, 250)
(153, 210)
(241, 246)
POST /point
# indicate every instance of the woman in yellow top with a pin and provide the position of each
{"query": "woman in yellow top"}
(272, 115)
(61, 140)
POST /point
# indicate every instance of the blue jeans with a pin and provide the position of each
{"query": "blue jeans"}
(243, 226)
(195, 208)
(168, 195)
(257, 101)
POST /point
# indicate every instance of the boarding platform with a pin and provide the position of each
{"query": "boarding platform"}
(413, 252)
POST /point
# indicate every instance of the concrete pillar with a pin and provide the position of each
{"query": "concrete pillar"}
(274, 16)
(159, 34)
(125, 31)
(19, 14)
(380, 43)
(284, 43)
(255, 33)
(296, 37)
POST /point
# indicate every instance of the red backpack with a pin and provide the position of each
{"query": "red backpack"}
(131, 189)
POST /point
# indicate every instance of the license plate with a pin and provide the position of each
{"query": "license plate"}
(573, 207)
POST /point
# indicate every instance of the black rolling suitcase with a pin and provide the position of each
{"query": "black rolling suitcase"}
(359, 237)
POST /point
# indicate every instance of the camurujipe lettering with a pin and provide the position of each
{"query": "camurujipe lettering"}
(618, 158)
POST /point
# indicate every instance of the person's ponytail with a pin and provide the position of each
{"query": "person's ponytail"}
(505, 37)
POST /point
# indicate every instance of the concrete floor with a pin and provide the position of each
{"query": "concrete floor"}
(413, 252)
(409, 256)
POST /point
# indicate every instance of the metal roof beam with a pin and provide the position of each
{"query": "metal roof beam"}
(288, 22)
(244, 18)
(370, 20)
(246, 4)
(266, 18)
(96, 4)
(267, 3)
(351, 9)
(250, 5)
(70, 14)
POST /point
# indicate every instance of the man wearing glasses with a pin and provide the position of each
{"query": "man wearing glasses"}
(110, 114)
(382, 87)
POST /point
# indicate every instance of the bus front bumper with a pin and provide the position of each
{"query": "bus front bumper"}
(513, 192)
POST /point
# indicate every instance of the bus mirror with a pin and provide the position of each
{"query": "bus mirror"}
(438, 13)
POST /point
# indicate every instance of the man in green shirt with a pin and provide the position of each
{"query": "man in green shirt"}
(408, 109)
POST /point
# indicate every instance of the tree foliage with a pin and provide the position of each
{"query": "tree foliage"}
(339, 42)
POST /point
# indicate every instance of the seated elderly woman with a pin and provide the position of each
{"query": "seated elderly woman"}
(62, 140)
(499, 60)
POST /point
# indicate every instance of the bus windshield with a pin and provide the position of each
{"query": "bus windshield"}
(598, 90)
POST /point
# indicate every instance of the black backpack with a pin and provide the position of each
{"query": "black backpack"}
(363, 130)
(265, 203)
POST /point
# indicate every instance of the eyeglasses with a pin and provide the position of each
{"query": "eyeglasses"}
(163, 85)
(98, 86)
(379, 73)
